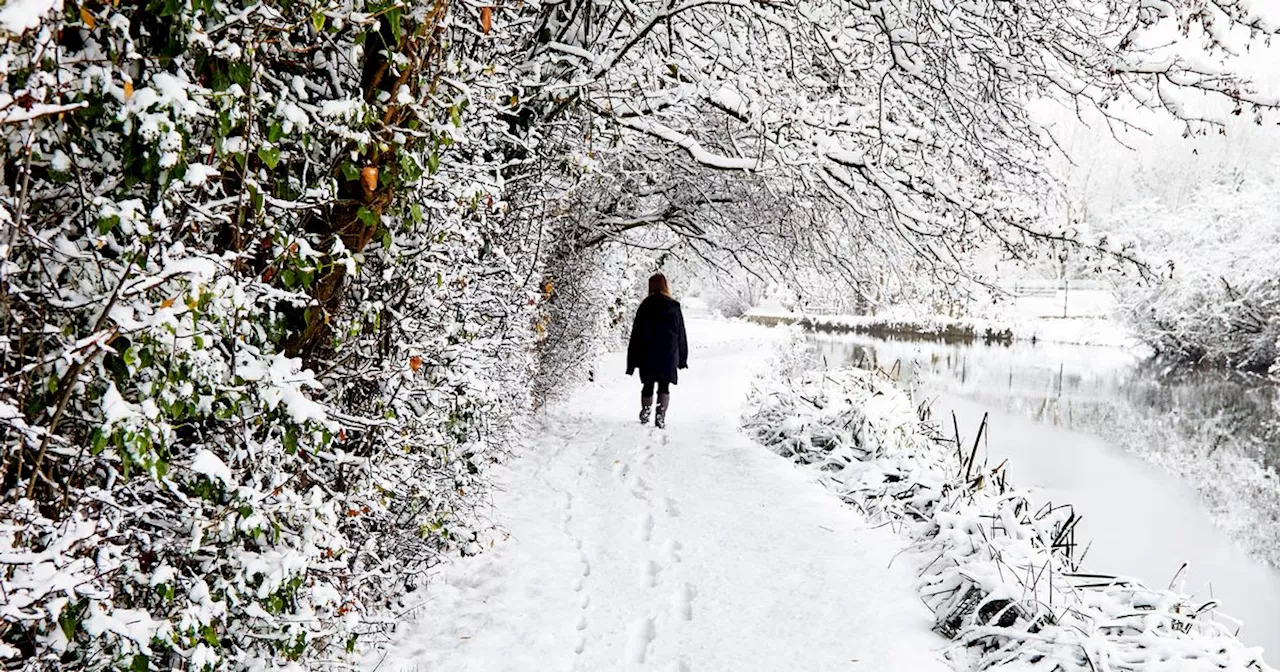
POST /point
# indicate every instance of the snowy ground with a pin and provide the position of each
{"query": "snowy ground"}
(685, 550)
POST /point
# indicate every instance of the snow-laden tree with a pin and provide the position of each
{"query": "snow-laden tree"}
(1217, 300)
(909, 118)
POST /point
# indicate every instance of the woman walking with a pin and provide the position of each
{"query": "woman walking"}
(657, 347)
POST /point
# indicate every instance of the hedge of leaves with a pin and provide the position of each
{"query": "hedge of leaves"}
(264, 324)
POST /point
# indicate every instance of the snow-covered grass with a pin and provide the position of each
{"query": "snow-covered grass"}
(997, 566)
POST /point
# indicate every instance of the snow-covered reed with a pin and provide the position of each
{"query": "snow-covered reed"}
(998, 566)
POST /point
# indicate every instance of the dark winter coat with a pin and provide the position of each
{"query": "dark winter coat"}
(658, 346)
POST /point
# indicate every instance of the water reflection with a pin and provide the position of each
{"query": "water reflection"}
(1218, 431)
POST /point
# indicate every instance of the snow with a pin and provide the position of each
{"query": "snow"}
(629, 548)
(16, 113)
(19, 16)
(115, 409)
(283, 379)
(341, 109)
(199, 173)
(208, 464)
(689, 144)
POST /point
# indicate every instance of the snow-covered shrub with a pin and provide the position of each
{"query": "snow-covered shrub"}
(263, 325)
(591, 297)
(997, 565)
(1220, 303)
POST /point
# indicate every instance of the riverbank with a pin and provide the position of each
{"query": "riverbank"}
(1186, 454)
(1094, 331)
(1000, 564)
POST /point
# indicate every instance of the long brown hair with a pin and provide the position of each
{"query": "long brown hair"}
(658, 285)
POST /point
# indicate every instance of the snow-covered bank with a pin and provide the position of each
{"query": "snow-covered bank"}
(694, 549)
(999, 564)
(1075, 419)
(1139, 520)
(1075, 331)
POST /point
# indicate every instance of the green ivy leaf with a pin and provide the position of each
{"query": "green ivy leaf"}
(317, 20)
(270, 155)
(369, 217)
(240, 73)
(69, 619)
(409, 169)
(433, 163)
(393, 17)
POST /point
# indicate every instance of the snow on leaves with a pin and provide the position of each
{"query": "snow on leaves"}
(227, 228)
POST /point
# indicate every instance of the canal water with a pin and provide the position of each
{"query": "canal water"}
(1166, 467)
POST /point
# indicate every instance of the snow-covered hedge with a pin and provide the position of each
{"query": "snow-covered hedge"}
(263, 325)
(997, 564)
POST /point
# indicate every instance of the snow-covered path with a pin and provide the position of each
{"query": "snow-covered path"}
(688, 550)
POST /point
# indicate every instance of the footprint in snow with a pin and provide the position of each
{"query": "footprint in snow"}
(684, 602)
(638, 487)
(646, 527)
(671, 550)
(640, 635)
(670, 505)
(651, 571)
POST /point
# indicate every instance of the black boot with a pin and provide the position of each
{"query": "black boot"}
(646, 403)
(660, 419)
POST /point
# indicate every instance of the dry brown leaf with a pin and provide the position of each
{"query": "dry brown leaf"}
(486, 19)
(87, 18)
(128, 90)
(415, 363)
(369, 178)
